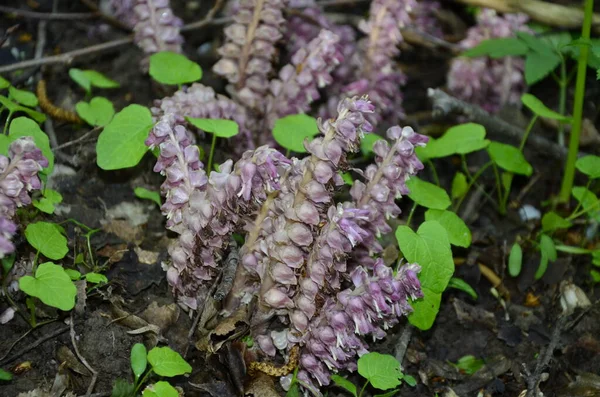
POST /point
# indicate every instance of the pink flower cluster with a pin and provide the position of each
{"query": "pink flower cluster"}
(489, 83)
(248, 53)
(18, 176)
(155, 26)
(298, 261)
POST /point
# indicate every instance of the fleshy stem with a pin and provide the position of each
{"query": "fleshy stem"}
(569, 175)
(212, 152)
(510, 176)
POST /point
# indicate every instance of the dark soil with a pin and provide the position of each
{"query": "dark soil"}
(508, 335)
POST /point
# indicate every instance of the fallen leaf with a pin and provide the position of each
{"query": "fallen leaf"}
(162, 316)
(261, 385)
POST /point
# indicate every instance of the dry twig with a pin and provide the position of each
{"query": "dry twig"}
(60, 16)
(82, 359)
(541, 11)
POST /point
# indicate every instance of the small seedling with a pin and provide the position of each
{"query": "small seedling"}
(163, 362)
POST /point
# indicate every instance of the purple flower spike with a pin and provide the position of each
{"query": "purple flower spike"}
(299, 82)
(18, 177)
(489, 83)
(156, 28)
(250, 48)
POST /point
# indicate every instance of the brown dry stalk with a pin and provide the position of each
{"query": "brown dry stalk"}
(541, 11)
(52, 110)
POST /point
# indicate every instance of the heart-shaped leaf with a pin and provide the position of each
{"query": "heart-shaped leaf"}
(427, 194)
(381, 370)
(48, 201)
(98, 112)
(509, 158)
(430, 248)
(167, 362)
(291, 131)
(171, 68)
(47, 238)
(23, 97)
(458, 232)
(121, 143)
(589, 165)
(51, 285)
(220, 127)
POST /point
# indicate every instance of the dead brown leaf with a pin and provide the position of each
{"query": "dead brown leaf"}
(261, 385)
(125, 231)
(162, 316)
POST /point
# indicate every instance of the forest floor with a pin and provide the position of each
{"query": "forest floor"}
(509, 333)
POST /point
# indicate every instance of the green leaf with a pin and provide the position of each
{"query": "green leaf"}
(7, 262)
(51, 285)
(73, 274)
(410, 380)
(596, 258)
(536, 44)
(573, 250)
(588, 200)
(80, 78)
(469, 364)
(166, 362)
(515, 260)
(46, 238)
(595, 275)
(91, 78)
(98, 112)
(460, 139)
(348, 179)
(538, 66)
(23, 97)
(498, 48)
(430, 248)
(294, 390)
(589, 165)
(160, 389)
(291, 131)
(460, 187)
(388, 394)
(5, 375)
(15, 107)
(427, 194)
(458, 232)
(171, 68)
(509, 158)
(143, 193)
(4, 83)
(460, 284)
(551, 221)
(425, 309)
(366, 144)
(23, 126)
(344, 384)
(122, 388)
(381, 370)
(423, 152)
(138, 360)
(222, 128)
(538, 107)
(48, 201)
(99, 80)
(121, 144)
(96, 278)
(548, 251)
(556, 40)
